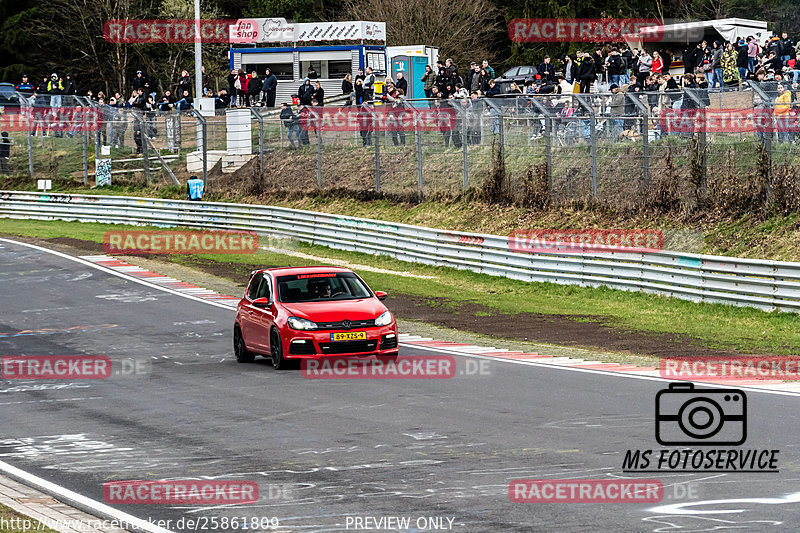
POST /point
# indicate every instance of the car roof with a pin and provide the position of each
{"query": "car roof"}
(293, 271)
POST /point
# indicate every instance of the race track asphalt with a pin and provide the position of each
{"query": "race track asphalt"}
(326, 451)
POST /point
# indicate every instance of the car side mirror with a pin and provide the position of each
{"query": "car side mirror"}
(381, 295)
(261, 302)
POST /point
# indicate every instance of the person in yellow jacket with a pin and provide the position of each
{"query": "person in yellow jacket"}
(55, 88)
(782, 104)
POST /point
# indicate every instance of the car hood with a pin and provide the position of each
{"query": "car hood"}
(334, 311)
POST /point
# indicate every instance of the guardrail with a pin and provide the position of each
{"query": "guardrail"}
(767, 285)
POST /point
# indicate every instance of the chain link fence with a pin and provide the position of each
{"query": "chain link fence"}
(621, 147)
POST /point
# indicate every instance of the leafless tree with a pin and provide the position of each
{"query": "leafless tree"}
(462, 29)
(77, 25)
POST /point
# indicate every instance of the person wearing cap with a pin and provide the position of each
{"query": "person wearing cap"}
(5, 152)
(25, 86)
(55, 88)
(618, 107)
(139, 80)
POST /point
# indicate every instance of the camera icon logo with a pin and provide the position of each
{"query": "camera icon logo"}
(700, 417)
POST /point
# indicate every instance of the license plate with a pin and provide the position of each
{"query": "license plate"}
(349, 336)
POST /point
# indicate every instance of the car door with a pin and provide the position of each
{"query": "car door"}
(264, 316)
(524, 73)
(249, 316)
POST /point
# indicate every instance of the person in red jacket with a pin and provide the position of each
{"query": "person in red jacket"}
(243, 98)
(658, 63)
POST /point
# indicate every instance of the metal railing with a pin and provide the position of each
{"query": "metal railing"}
(767, 285)
(609, 147)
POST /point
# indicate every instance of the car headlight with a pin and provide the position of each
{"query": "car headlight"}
(384, 320)
(301, 324)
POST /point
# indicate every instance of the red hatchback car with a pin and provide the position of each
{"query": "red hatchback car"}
(307, 312)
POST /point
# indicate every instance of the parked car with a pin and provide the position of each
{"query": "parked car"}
(310, 312)
(520, 75)
(8, 95)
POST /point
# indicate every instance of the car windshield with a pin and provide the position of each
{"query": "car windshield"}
(321, 287)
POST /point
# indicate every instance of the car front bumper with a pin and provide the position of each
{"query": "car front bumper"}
(314, 344)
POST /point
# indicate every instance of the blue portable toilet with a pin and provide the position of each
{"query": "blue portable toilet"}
(411, 61)
(401, 64)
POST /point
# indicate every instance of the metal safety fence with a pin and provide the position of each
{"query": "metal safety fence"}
(767, 285)
(615, 147)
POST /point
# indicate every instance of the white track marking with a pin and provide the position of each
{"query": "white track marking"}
(116, 273)
(78, 500)
(638, 375)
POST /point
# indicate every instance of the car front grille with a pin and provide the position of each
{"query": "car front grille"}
(349, 347)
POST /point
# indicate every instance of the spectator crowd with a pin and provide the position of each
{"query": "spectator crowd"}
(661, 76)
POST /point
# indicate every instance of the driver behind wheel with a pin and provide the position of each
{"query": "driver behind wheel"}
(319, 289)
